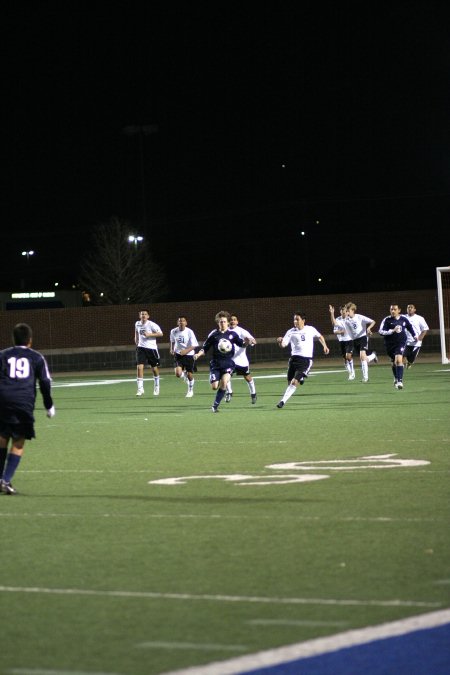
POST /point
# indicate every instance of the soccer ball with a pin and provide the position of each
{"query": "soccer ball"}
(224, 346)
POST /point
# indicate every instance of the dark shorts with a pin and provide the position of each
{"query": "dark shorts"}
(217, 369)
(346, 347)
(361, 344)
(298, 366)
(411, 353)
(395, 350)
(146, 356)
(21, 430)
(185, 362)
(241, 370)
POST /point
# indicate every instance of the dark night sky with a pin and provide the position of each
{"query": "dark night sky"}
(270, 118)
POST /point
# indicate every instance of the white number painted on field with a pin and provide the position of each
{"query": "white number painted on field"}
(368, 462)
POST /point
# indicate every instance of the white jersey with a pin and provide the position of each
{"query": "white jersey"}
(341, 325)
(181, 339)
(419, 324)
(240, 353)
(301, 341)
(146, 327)
(357, 325)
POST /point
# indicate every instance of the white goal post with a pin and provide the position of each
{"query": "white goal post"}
(443, 288)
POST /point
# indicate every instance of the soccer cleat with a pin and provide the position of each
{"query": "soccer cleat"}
(302, 380)
(190, 393)
(409, 365)
(139, 392)
(395, 383)
(351, 376)
(399, 385)
(253, 398)
(214, 409)
(156, 391)
(375, 357)
(7, 488)
(365, 379)
(228, 396)
(280, 404)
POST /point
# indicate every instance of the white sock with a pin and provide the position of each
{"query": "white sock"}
(156, 380)
(365, 369)
(190, 384)
(288, 393)
(229, 389)
(251, 386)
(140, 382)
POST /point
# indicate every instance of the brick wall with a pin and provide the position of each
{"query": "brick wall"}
(111, 328)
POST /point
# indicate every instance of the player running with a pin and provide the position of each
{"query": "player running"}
(223, 342)
(240, 358)
(394, 329)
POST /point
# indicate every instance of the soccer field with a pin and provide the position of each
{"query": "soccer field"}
(151, 535)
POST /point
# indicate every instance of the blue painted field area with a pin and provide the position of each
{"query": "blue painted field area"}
(425, 652)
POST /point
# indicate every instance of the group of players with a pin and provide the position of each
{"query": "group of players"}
(184, 347)
(21, 367)
(403, 335)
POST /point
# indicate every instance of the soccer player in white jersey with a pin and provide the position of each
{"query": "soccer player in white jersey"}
(421, 327)
(145, 334)
(360, 328)
(241, 360)
(182, 347)
(341, 331)
(301, 339)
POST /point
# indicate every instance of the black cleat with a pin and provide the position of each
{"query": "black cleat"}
(7, 488)
(214, 409)
(253, 398)
(280, 404)
(228, 396)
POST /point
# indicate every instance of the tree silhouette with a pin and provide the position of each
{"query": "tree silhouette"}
(116, 271)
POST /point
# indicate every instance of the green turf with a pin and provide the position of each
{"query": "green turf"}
(219, 569)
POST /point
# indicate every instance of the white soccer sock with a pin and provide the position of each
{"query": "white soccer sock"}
(229, 389)
(251, 386)
(365, 369)
(140, 382)
(288, 393)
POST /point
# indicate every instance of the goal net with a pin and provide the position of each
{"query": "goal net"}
(443, 287)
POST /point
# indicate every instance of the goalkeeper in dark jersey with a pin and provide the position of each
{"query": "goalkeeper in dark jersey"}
(21, 369)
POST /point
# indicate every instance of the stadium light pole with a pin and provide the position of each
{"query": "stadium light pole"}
(305, 237)
(141, 131)
(27, 254)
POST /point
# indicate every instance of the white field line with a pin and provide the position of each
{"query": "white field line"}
(319, 646)
(294, 622)
(94, 383)
(148, 595)
(192, 645)
(219, 516)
